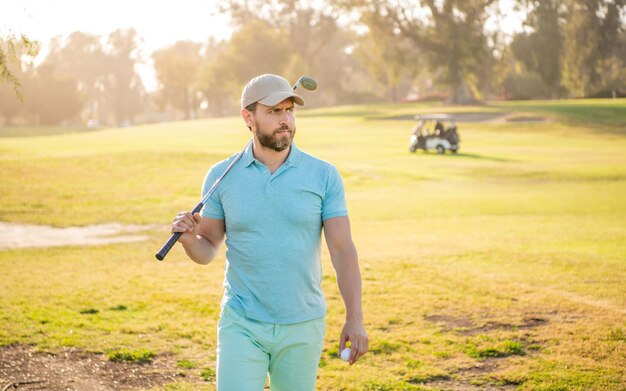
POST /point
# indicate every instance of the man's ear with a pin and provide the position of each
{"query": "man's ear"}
(247, 117)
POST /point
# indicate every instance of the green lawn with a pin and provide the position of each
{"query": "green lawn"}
(502, 266)
(30, 131)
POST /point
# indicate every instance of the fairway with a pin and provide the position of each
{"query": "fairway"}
(502, 267)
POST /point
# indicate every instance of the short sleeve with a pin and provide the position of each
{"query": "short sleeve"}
(334, 203)
(213, 208)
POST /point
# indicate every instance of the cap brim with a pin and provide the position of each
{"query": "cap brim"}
(278, 97)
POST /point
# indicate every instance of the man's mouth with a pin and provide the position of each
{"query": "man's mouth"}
(282, 131)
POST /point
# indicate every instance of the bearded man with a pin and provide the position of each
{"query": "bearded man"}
(272, 209)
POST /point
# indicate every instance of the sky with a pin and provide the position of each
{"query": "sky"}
(159, 23)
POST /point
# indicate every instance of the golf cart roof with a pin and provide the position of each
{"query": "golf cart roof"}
(426, 117)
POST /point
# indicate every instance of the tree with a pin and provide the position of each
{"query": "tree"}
(11, 51)
(310, 36)
(384, 52)
(591, 35)
(51, 99)
(306, 29)
(460, 44)
(254, 49)
(448, 33)
(123, 85)
(105, 75)
(540, 50)
(82, 58)
(10, 103)
(215, 81)
(574, 45)
(613, 71)
(178, 69)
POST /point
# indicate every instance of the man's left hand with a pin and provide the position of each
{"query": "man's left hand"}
(354, 331)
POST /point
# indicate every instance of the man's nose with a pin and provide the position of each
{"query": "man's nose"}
(285, 118)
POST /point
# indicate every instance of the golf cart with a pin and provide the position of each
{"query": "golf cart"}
(434, 132)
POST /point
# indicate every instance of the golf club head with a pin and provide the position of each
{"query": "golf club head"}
(307, 82)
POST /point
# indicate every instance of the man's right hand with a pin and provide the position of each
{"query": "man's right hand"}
(188, 224)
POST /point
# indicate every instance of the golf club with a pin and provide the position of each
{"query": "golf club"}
(308, 83)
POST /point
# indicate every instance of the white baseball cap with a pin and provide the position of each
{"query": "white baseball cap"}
(269, 90)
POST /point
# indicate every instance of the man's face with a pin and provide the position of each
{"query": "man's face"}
(275, 126)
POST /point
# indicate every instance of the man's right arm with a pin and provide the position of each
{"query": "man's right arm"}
(201, 238)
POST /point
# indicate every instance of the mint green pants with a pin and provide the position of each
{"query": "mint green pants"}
(249, 350)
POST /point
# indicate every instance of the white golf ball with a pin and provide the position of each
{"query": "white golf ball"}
(345, 354)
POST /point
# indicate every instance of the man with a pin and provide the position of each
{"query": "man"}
(439, 129)
(271, 208)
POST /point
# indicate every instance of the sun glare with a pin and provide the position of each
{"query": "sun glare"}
(158, 24)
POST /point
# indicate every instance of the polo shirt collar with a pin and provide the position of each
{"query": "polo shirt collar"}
(294, 156)
(248, 156)
(292, 160)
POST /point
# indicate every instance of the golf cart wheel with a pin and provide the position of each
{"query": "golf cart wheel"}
(412, 148)
(454, 150)
(440, 149)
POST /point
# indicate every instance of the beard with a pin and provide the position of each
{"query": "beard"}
(276, 141)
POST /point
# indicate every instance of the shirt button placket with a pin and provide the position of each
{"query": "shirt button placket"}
(268, 185)
(268, 175)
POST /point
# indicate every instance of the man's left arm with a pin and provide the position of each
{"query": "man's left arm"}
(346, 263)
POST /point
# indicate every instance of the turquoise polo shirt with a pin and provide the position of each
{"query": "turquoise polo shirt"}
(273, 233)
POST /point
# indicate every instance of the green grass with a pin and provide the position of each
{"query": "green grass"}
(186, 364)
(140, 357)
(32, 131)
(207, 374)
(502, 349)
(602, 113)
(501, 266)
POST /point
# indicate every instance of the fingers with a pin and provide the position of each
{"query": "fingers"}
(342, 341)
(356, 351)
(359, 348)
(359, 344)
(185, 222)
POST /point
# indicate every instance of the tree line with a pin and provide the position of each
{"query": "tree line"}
(358, 50)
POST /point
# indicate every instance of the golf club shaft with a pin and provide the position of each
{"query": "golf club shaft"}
(297, 84)
(175, 236)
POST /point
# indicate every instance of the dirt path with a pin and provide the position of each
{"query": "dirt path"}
(22, 368)
(14, 236)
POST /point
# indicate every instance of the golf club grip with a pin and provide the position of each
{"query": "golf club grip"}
(174, 238)
(168, 246)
